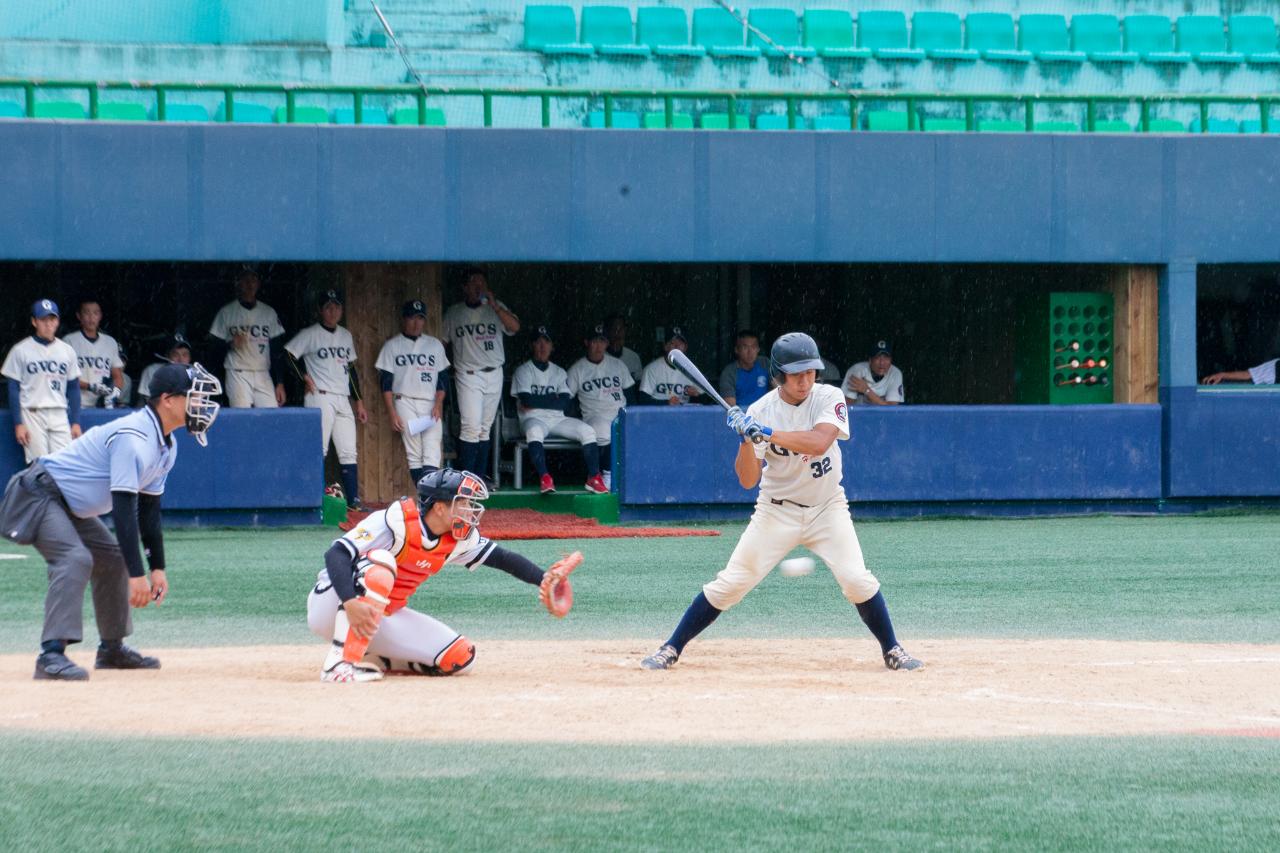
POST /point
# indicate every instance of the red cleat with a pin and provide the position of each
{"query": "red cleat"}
(596, 485)
(546, 485)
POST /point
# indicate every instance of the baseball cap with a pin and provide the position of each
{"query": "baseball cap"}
(175, 342)
(45, 308)
(330, 296)
(413, 308)
(677, 334)
(542, 332)
(597, 331)
(171, 379)
(882, 346)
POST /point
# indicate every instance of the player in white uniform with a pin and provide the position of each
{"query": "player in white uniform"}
(602, 385)
(663, 385)
(473, 330)
(542, 393)
(876, 381)
(412, 372)
(1262, 374)
(177, 350)
(42, 373)
(98, 354)
(249, 329)
(796, 461)
(327, 352)
(615, 326)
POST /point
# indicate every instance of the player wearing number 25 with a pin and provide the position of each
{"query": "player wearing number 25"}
(40, 369)
(801, 502)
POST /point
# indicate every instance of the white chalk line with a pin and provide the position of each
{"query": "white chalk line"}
(1177, 662)
(987, 694)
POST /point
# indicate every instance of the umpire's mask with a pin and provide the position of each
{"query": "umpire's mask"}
(202, 410)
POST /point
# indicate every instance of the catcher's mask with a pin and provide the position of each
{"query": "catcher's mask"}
(202, 409)
(462, 489)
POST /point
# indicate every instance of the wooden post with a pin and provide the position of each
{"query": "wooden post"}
(1135, 336)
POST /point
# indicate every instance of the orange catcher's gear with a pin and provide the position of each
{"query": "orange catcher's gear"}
(416, 562)
(378, 581)
(457, 657)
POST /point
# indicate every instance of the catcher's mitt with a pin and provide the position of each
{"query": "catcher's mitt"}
(554, 592)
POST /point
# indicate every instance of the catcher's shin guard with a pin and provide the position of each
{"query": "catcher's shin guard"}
(377, 581)
(455, 658)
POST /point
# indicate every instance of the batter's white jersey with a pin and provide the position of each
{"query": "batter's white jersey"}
(887, 387)
(45, 370)
(327, 355)
(1264, 374)
(790, 476)
(259, 323)
(414, 365)
(96, 358)
(528, 379)
(386, 530)
(663, 381)
(599, 387)
(475, 335)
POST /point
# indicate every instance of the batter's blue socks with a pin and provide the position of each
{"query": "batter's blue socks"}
(538, 456)
(695, 620)
(875, 614)
(351, 483)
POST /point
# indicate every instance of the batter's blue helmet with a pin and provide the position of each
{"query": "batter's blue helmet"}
(794, 352)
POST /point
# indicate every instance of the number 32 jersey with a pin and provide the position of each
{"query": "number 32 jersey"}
(790, 476)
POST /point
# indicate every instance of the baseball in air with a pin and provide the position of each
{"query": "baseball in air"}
(796, 567)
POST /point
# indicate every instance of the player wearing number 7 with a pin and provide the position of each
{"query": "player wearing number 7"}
(801, 502)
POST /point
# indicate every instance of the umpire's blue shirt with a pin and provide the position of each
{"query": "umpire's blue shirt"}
(129, 454)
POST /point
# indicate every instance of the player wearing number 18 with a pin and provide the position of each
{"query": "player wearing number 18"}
(801, 502)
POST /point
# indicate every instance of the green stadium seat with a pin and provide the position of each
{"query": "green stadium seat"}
(553, 31)
(939, 35)
(830, 32)
(409, 116)
(1203, 37)
(181, 112)
(831, 122)
(783, 27)
(1099, 38)
(1151, 37)
(886, 120)
(666, 32)
(722, 34)
(720, 121)
(368, 115)
(1112, 126)
(1046, 36)
(658, 121)
(121, 111)
(1251, 125)
(246, 113)
(302, 114)
(9, 109)
(1255, 37)
(1217, 125)
(886, 34)
(1165, 125)
(938, 124)
(1057, 127)
(609, 29)
(1001, 125)
(992, 34)
(620, 120)
(60, 109)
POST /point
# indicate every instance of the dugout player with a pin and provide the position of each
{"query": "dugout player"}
(474, 329)
(602, 385)
(615, 326)
(876, 381)
(745, 379)
(442, 527)
(412, 372)
(98, 354)
(327, 352)
(801, 502)
(44, 399)
(177, 350)
(119, 468)
(541, 390)
(663, 385)
(1263, 374)
(249, 330)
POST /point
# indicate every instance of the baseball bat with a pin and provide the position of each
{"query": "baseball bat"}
(681, 362)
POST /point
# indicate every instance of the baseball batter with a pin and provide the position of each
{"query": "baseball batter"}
(359, 601)
(177, 350)
(98, 354)
(43, 397)
(542, 393)
(663, 385)
(474, 329)
(412, 372)
(876, 381)
(249, 329)
(327, 352)
(801, 502)
(602, 385)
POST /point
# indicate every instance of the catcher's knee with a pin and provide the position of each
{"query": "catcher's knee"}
(456, 657)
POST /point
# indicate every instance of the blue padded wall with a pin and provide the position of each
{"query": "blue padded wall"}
(1222, 442)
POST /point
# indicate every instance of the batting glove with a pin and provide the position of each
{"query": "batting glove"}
(737, 420)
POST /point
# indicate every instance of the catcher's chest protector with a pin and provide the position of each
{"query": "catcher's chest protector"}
(416, 562)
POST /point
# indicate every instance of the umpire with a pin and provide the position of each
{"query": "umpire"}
(119, 467)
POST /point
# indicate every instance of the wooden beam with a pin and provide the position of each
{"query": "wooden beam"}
(1136, 339)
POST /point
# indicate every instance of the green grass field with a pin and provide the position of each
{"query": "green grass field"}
(1187, 579)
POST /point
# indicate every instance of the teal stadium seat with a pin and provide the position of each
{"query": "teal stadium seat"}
(1112, 126)
(783, 27)
(1203, 37)
(886, 34)
(302, 114)
(1046, 36)
(1254, 36)
(1057, 127)
(553, 31)
(886, 120)
(368, 115)
(621, 120)
(245, 113)
(830, 32)
(1217, 125)
(408, 117)
(832, 122)
(1253, 125)
(1151, 37)
(720, 121)
(181, 112)
(609, 29)
(60, 110)
(722, 34)
(778, 121)
(940, 36)
(1001, 125)
(942, 124)
(665, 30)
(992, 34)
(1099, 38)
(658, 121)
(1165, 125)
(120, 111)
(8, 109)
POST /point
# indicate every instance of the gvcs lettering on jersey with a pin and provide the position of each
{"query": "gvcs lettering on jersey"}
(601, 383)
(416, 359)
(475, 329)
(670, 388)
(101, 362)
(540, 390)
(253, 330)
(47, 367)
(334, 352)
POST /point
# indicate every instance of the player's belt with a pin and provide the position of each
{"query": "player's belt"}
(481, 370)
(777, 502)
(332, 393)
(407, 397)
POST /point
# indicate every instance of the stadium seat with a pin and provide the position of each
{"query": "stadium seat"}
(722, 34)
(9, 109)
(303, 114)
(1217, 125)
(181, 112)
(60, 109)
(1151, 37)
(609, 29)
(939, 35)
(886, 34)
(658, 121)
(554, 31)
(666, 32)
(1203, 37)
(621, 120)
(1112, 126)
(1253, 125)
(1165, 125)
(886, 120)
(1057, 127)
(720, 121)
(778, 121)
(409, 116)
(1046, 36)
(245, 113)
(992, 35)
(1099, 38)
(830, 32)
(121, 111)
(1001, 125)
(783, 27)
(368, 115)
(832, 122)
(939, 124)
(1255, 37)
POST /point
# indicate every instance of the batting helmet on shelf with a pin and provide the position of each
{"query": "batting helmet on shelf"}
(794, 352)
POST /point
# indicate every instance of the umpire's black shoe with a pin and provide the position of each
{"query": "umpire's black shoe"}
(55, 666)
(123, 657)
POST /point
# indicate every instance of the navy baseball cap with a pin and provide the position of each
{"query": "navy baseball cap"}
(45, 308)
(171, 379)
(177, 342)
(542, 332)
(597, 331)
(882, 347)
(330, 296)
(414, 308)
(677, 334)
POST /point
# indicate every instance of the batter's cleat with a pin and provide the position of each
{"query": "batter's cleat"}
(596, 485)
(343, 672)
(123, 657)
(897, 658)
(546, 485)
(55, 666)
(663, 658)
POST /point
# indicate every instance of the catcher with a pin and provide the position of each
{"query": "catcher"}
(359, 598)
